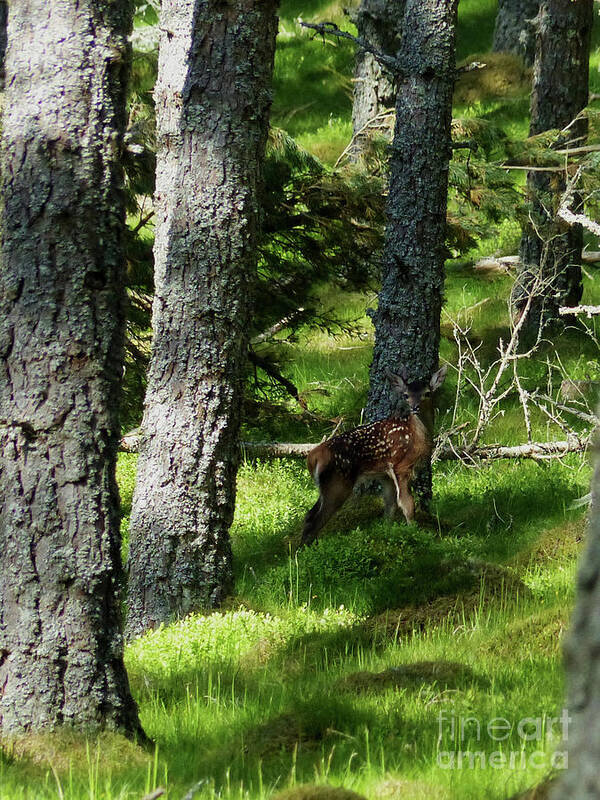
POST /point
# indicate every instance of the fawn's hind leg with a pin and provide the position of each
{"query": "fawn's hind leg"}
(333, 495)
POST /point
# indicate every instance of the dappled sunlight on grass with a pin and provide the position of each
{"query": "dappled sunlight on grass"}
(343, 664)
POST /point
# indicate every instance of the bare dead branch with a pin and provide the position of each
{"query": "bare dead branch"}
(574, 151)
(369, 124)
(589, 311)
(274, 373)
(278, 326)
(571, 218)
(331, 29)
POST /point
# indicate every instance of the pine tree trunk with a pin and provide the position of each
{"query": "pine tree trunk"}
(515, 31)
(61, 355)
(551, 252)
(3, 24)
(581, 731)
(407, 321)
(212, 119)
(378, 22)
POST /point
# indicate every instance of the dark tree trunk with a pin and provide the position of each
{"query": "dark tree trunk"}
(61, 337)
(407, 321)
(379, 22)
(3, 24)
(551, 252)
(213, 100)
(515, 30)
(581, 734)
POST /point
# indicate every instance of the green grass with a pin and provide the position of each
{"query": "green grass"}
(338, 664)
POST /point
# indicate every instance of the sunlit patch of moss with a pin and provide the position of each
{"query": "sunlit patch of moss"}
(313, 792)
(504, 75)
(539, 636)
(64, 748)
(194, 642)
(443, 674)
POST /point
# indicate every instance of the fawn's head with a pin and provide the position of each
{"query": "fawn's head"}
(413, 392)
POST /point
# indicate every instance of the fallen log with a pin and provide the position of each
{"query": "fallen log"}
(509, 263)
(276, 449)
(535, 450)
(538, 451)
(590, 311)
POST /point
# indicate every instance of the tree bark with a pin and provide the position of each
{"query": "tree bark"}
(514, 31)
(379, 22)
(212, 101)
(61, 354)
(582, 736)
(551, 250)
(407, 320)
(3, 24)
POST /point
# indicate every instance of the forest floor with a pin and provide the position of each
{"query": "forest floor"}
(395, 661)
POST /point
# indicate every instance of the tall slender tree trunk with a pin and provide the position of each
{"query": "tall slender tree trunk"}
(3, 24)
(379, 22)
(61, 355)
(514, 31)
(407, 320)
(581, 722)
(213, 100)
(550, 251)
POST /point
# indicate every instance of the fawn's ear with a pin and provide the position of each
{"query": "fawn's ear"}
(438, 378)
(398, 381)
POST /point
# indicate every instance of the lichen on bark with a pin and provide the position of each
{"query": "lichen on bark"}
(407, 319)
(61, 336)
(550, 252)
(379, 23)
(212, 101)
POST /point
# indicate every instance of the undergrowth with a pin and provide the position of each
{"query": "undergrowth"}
(371, 660)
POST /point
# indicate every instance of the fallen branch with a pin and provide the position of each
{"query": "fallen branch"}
(511, 262)
(575, 151)
(276, 449)
(535, 450)
(590, 311)
(571, 218)
(278, 326)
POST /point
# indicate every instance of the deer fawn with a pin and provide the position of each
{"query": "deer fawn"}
(387, 450)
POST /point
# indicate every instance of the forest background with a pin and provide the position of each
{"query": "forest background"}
(333, 664)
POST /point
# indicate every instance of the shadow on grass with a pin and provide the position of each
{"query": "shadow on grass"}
(316, 733)
(369, 564)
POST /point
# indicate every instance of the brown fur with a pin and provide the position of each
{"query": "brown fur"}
(387, 450)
